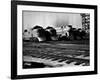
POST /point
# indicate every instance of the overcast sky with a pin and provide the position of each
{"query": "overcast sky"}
(32, 18)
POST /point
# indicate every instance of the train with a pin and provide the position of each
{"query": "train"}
(40, 34)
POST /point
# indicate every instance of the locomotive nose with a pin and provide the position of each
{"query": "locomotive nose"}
(39, 34)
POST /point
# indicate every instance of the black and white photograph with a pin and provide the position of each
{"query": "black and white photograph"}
(53, 39)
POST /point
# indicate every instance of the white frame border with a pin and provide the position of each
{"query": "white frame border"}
(21, 71)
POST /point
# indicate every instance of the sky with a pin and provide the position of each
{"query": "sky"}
(54, 19)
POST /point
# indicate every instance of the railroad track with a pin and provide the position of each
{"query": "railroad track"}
(56, 55)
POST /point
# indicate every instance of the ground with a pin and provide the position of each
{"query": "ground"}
(56, 53)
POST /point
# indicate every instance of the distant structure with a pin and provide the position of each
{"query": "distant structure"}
(85, 21)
